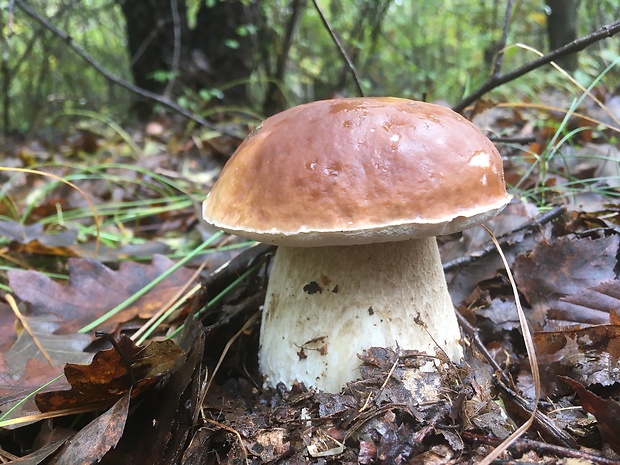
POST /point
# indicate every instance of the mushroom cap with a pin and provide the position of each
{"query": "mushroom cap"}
(357, 171)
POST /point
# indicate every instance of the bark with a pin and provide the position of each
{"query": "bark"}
(562, 29)
(150, 40)
(212, 55)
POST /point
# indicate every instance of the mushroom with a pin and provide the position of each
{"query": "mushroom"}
(354, 191)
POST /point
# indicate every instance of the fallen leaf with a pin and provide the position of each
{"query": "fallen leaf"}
(60, 349)
(23, 234)
(589, 355)
(165, 416)
(93, 441)
(14, 388)
(606, 412)
(8, 336)
(566, 267)
(591, 306)
(39, 455)
(24, 370)
(105, 379)
(93, 289)
(35, 240)
(553, 271)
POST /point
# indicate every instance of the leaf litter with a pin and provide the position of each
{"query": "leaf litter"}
(88, 294)
(200, 400)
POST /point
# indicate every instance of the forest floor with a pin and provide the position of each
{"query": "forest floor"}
(173, 376)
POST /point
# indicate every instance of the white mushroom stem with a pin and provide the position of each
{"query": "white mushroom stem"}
(325, 305)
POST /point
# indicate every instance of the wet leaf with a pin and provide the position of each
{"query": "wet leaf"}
(589, 355)
(94, 289)
(8, 336)
(553, 271)
(566, 266)
(592, 306)
(93, 441)
(34, 239)
(23, 234)
(61, 349)
(606, 412)
(24, 369)
(13, 388)
(106, 378)
(164, 417)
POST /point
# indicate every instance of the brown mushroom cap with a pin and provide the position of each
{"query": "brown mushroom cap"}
(355, 171)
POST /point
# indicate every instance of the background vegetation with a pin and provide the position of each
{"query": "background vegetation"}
(437, 50)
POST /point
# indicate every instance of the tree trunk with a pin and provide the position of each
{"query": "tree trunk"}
(223, 38)
(562, 29)
(217, 53)
(150, 39)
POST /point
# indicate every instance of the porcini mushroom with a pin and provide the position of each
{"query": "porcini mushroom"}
(353, 192)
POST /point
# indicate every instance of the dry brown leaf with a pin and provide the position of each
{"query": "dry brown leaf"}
(606, 412)
(106, 378)
(93, 441)
(588, 355)
(553, 271)
(592, 306)
(94, 289)
(60, 348)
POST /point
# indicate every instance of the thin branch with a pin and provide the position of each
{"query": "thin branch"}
(513, 140)
(377, 25)
(341, 49)
(497, 67)
(504, 239)
(4, 67)
(502, 381)
(119, 81)
(525, 445)
(572, 47)
(176, 51)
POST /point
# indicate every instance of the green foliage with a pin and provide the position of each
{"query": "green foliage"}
(433, 50)
(47, 76)
(438, 50)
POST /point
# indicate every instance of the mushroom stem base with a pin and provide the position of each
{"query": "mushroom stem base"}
(325, 305)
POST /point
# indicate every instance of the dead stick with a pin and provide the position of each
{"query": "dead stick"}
(497, 67)
(504, 239)
(542, 422)
(572, 47)
(341, 49)
(526, 445)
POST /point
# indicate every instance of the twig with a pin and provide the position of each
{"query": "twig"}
(247, 324)
(108, 337)
(572, 47)
(525, 445)
(233, 431)
(4, 68)
(387, 378)
(545, 425)
(504, 239)
(497, 67)
(119, 81)
(513, 140)
(176, 51)
(341, 49)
